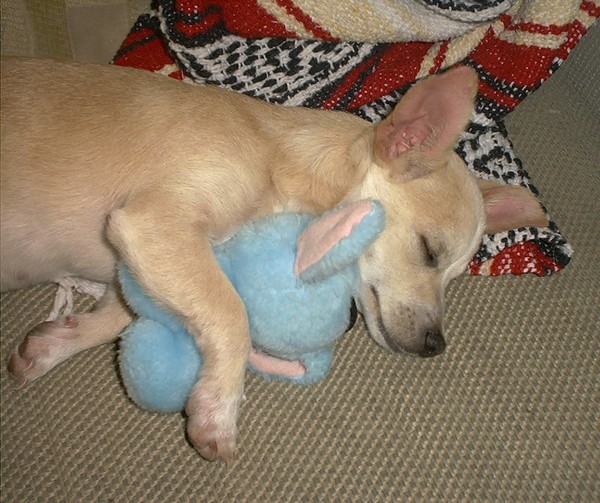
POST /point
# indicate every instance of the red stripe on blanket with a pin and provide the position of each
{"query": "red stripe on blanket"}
(144, 49)
(591, 8)
(506, 20)
(306, 21)
(398, 66)
(440, 57)
(201, 21)
(393, 69)
(503, 99)
(242, 18)
(509, 62)
(542, 29)
(520, 258)
(344, 87)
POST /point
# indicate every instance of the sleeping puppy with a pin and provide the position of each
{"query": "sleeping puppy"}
(103, 162)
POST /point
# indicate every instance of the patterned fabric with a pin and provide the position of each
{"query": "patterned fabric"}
(275, 50)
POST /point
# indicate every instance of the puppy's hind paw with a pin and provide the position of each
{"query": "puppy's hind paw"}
(44, 347)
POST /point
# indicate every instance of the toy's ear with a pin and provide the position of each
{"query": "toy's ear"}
(337, 239)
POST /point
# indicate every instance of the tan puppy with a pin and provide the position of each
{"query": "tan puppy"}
(100, 162)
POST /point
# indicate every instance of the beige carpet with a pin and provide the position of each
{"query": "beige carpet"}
(509, 413)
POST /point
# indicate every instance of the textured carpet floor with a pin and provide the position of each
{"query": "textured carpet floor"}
(508, 413)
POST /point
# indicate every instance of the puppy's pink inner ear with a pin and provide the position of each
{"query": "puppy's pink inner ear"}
(430, 116)
(510, 207)
(400, 136)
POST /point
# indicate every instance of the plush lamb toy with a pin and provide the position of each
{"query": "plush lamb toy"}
(296, 274)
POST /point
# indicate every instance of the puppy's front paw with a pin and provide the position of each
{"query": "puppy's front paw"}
(44, 347)
(212, 424)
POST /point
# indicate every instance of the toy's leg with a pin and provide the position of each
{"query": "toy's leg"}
(52, 342)
(159, 367)
(172, 258)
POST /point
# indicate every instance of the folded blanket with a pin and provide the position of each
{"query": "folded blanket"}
(353, 55)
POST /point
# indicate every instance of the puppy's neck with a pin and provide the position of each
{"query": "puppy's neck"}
(315, 169)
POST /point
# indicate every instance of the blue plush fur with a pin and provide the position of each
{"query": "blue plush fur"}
(292, 318)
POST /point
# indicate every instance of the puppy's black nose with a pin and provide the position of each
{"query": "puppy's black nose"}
(434, 345)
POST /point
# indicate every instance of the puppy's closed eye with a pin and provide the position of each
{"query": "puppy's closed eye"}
(429, 253)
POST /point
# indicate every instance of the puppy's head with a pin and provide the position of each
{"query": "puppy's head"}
(437, 213)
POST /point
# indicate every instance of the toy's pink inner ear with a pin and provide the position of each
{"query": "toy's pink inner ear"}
(278, 366)
(325, 232)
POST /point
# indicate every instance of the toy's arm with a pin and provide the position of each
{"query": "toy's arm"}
(268, 364)
(311, 368)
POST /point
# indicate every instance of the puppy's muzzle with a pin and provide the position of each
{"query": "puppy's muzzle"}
(414, 330)
(433, 344)
(409, 329)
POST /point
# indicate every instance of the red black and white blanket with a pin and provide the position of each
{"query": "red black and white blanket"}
(363, 55)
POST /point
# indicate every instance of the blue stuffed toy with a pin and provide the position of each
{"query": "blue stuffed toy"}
(297, 276)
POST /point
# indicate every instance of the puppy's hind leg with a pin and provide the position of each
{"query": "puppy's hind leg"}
(52, 342)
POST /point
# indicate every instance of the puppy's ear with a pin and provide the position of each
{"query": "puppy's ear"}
(428, 119)
(510, 207)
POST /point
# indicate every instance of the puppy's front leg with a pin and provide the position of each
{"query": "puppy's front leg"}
(172, 257)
